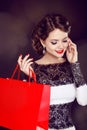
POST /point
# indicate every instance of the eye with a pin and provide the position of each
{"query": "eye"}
(65, 41)
(53, 43)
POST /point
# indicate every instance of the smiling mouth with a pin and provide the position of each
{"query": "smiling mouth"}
(60, 51)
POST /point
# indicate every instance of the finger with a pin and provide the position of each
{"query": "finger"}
(26, 69)
(29, 60)
(20, 57)
(29, 66)
(73, 47)
(27, 63)
(25, 59)
(71, 43)
(19, 60)
(69, 40)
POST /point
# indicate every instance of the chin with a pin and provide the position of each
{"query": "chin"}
(60, 56)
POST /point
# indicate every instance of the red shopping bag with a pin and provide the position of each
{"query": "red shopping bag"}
(22, 104)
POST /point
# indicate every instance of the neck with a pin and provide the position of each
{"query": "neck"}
(48, 58)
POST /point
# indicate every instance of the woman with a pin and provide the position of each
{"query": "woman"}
(58, 67)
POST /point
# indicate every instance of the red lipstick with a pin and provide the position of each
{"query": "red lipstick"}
(60, 51)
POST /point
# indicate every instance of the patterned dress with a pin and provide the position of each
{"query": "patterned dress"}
(67, 83)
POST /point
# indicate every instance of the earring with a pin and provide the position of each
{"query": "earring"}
(44, 50)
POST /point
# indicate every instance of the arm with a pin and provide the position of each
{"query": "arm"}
(81, 87)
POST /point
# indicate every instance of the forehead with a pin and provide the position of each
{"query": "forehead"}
(57, 34)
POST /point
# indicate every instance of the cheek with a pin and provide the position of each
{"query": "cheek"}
(50, 48)
(66, 45)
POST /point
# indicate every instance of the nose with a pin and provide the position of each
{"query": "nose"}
(60, 45)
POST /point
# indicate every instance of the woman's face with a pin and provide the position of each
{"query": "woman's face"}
(56, 43)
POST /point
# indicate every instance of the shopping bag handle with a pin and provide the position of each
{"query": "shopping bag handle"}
(17, 68)
(14, 72)
(32, 74)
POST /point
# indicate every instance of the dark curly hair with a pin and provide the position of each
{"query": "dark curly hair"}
(45, 26)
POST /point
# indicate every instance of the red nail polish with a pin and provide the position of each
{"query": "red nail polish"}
(27, 54)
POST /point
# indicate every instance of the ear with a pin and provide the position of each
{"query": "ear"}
(42, 42)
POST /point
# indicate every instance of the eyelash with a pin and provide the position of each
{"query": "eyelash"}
(65, 41)
(56, 42)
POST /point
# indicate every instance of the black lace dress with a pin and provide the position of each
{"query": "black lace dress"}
(63, 76)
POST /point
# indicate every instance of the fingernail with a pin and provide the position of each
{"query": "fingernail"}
(20, 54)
(27, 54)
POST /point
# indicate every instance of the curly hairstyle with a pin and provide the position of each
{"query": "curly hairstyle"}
(45, 26)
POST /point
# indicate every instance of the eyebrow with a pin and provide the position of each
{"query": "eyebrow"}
(65, 38)
(58, 40)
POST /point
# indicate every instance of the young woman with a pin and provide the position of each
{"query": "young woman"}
(58, 67)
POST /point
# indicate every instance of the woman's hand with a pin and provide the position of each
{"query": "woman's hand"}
(25, 64)
(71, 52)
